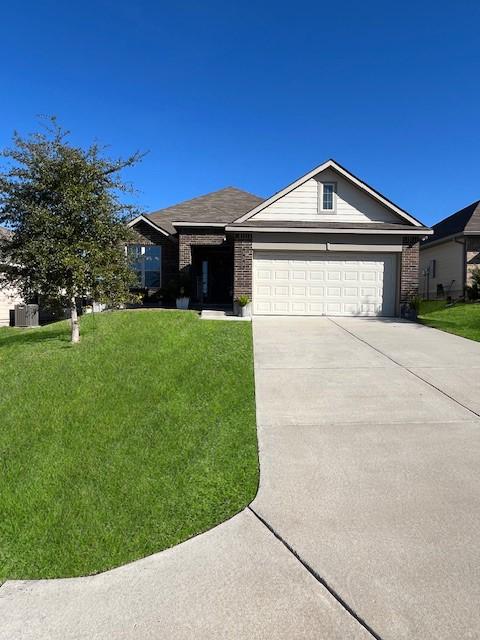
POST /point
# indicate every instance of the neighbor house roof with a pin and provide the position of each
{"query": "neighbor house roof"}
(222, 207)
(467, 220)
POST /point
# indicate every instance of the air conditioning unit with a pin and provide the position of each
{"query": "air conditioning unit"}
(26, 315)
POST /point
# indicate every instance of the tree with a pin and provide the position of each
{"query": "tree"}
(63, 205)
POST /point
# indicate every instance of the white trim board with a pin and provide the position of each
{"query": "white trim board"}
(331, 164)
(406, 232)
(142, 218)
(337, 247)
(200, 224)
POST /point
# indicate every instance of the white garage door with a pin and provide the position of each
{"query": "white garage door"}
(323, 283)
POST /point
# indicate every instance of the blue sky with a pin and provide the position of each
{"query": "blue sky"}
(256, 94)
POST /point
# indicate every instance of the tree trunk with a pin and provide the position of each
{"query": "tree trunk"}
(74, 321)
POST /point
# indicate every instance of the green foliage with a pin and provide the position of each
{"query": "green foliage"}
(243, 300)
(136, 439)
(475, 276)
(415, 303)
(473, 290)
(63, 205)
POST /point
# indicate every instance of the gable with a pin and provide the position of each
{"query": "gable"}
(353, 204)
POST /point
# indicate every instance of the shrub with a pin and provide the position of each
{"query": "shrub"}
(243, 300)
(473, 290)
(414, 303)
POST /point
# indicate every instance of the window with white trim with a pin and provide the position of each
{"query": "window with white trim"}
(327, 196)
(146, 261)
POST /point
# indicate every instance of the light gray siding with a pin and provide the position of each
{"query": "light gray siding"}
(352, 204)
(449, 259)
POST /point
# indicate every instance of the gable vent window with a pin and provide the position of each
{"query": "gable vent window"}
(327, 196)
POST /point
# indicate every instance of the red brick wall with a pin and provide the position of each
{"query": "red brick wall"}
(190, 237)
(409, 268)
(242, 267)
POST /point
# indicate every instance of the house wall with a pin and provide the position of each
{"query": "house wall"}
(353, 204)
(449, 258)
(327, 241)
(146, 234)
(8, 299)
(189, 237)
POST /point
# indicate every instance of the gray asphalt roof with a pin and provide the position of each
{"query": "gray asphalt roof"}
(223, 206)
(465, 220)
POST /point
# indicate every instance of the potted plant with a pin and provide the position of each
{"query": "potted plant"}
(414, 308)
(183, 288)
(244, 306)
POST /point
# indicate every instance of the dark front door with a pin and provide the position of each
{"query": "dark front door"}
(213, 273)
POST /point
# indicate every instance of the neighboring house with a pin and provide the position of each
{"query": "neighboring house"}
(8, 296)
(327, 244)
(448, 256)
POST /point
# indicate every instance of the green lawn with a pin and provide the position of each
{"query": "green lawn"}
(461, 319)
(128, 443)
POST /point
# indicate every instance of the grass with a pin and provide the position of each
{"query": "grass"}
(130, 442)
(461, 319)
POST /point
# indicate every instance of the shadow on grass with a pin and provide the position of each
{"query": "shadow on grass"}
(59, 333)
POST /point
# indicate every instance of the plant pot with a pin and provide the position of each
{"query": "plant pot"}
(182, 303)
(246, 311)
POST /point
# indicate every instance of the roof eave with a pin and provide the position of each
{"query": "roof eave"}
(142, 218)
(414, 231)
(184, 223)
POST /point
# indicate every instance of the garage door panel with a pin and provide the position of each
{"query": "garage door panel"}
(354, 284)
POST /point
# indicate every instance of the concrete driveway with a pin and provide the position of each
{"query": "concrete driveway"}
(366, 524)
(370, 451)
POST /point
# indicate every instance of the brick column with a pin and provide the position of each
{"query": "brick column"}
(409, 268)
(184, 252)
(242, 265)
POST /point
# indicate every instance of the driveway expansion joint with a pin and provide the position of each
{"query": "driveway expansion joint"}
(430, 384)
(317, 576)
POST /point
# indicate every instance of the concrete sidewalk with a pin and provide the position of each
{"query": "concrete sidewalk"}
(235, 581)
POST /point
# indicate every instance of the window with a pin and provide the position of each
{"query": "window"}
(146, 261)
(327, 196)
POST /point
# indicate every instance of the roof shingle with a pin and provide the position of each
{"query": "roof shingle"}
(223, 206)
(463, 221)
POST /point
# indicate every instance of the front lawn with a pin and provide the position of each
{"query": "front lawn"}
(461, 319)
(128, 443)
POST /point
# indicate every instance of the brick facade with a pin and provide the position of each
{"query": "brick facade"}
(145, 234)
(191, 237)
(242, 265)
(409, 268)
